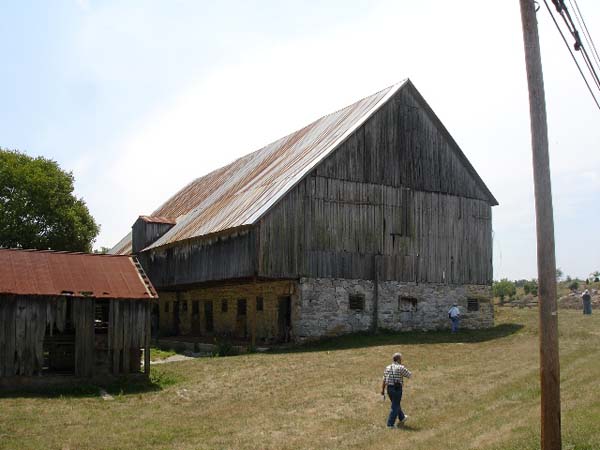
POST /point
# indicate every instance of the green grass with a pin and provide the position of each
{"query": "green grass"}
(160, 353)
(475, 390)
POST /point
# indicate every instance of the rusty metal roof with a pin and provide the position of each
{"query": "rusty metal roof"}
(158, 219)
(33, 272)
(240, 193)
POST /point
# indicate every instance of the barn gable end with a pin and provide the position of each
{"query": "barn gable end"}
(397, 200)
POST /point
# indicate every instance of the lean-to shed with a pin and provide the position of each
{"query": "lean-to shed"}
(61, 313)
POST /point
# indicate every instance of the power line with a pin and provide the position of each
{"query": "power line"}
(587, 32)
(571, 52)
(566, 16)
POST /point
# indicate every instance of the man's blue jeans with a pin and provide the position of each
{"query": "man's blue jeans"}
(395, 395)
(455, 321)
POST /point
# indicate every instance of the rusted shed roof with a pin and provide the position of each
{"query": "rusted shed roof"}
(240, 193)
(158, 219)
(32, 272)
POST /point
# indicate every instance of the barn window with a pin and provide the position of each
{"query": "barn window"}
(241, 307)
(407, 304)
(166, 307)
(224, 306)
(472, 304)
(259, 304)
(356, 302)
(195, 307)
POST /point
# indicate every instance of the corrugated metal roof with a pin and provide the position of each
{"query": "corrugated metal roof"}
(242, 192)
(32, 272)
(158, 219)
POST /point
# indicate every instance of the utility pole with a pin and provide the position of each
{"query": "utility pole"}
(549, 363)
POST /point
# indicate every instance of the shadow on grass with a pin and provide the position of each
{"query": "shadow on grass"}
(123, 386)
(409, 428)
(386, 337)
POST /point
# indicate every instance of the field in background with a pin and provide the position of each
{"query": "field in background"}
(476, 390)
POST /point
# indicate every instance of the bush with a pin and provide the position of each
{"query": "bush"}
(574, 285)
(531, 287)
(504, 288)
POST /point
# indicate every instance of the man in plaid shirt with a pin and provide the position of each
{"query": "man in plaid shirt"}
(393, 378)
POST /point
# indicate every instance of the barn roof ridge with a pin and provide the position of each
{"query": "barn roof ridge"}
(61, 252)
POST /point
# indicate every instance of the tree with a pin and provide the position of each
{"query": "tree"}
(38, 208)
(574, 285)
(504, 288)
(559, 273)
(531, 287)
(595, 275)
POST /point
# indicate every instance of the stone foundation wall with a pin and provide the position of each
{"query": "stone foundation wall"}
(325, 306)
(191, 305)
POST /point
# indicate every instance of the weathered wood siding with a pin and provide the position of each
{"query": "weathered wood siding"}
(145, 233)
(217, 258)
(330, 228)
(26, 322)
(405, 145)
(397, 195)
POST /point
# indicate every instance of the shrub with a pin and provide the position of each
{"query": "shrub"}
(504, 288)
(531, 287)
(574, 285)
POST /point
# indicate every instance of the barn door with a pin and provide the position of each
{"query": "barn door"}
(208, 316)
(241, 324)
(285, 318)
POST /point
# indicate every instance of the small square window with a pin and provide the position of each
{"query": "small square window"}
(472, 304)
(166, 306)
(224, 306)
(356, 302)
(184, 306)
(195, 307)
(407, 304)
(259, 304)
(241, 307)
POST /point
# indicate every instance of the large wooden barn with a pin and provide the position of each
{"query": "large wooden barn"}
(368, 217)
(69, 316)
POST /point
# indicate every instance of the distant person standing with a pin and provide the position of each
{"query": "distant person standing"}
(587, 302)
(393, 378)
(454, 316)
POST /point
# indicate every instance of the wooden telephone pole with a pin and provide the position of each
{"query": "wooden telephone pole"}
(549, 363)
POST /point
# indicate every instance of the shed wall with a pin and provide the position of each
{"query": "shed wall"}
(28, 325)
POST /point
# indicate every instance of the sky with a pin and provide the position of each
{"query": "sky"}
(138, 98)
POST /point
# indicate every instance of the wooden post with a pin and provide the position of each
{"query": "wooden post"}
(147, 335)
(548, 318)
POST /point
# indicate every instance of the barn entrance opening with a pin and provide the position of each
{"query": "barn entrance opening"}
(208, 316)
(284, 311)
(241, 324)
(176, 319)
(59, 341)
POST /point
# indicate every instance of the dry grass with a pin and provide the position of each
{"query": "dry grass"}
(478, 390)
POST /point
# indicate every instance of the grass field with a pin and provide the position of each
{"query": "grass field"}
(476, 390)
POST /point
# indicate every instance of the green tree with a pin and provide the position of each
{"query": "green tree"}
(38, 208)
(574, 285)
(504, 288)
(559, 273)
(595, 275)
(531, 287)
